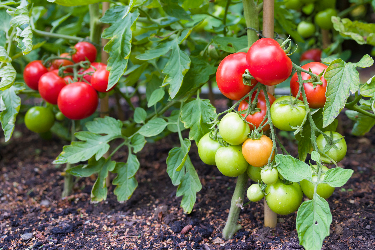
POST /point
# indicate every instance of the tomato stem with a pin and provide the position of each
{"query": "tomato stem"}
(314, 77)
(225, 18)
(68, 178)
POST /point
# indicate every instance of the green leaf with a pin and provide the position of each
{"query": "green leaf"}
(99, 190)
(188, 4)
(21, 23)
(368, 89)
(119, 44)
(172, 8)
(313, 221)
(230, 44)
(125, 180)
(292, 169)
(285, 19)
(9, 113)
(156, 96)
(59, 21)
(175, 69)
(176, 159)
(140, 115)
(363, 123)
(138, 142)
(153, 83)
(61, 131)
(7, 76)
(365, 62)
(315, 156)
(91, 168)
(172, 122)
(153, 127)
(4, 55)
(74, 2)
(133, 77)
(93, 142)
(337, 177)
(196, 115)
(362, 33)
(160, 50)
(189, 187)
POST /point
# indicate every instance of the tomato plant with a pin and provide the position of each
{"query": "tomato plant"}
(87, 73)
(323, 18)
(254, 193)
(269, 176)
(99, 80)
(39, 119)
(50, 85)
(84, 51)
(306, 29)
(283, 198)
(254, 173)
(56, 64)
(323, 189)
(287, 113)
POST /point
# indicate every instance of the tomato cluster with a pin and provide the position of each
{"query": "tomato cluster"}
(75, 95)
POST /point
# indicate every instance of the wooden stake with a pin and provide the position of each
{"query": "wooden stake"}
(325, 38)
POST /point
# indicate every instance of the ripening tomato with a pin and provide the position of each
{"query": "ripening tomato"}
(254, 193)
(229, 76)
(56, 64)
(99, 80)
(84, 51)
(33, 72)
(256, 118)
(50, 85)
(285, 114)
(207, 149)
(230, 161)
(312, 54)
(283, 199)
(77, 100)
(268, 62)
(316, 96)
(257, 152)
(39, 119)
(337, 154)
(233, 129)
(90, 71)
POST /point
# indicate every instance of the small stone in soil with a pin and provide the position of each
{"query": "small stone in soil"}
(45, 203)
(26, 236)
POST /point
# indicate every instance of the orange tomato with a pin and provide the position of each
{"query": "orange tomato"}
(257, 152)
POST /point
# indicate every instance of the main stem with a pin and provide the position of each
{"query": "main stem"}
(68, 178)
(232, 226)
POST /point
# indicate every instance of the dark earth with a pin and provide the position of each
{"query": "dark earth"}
(33, 215)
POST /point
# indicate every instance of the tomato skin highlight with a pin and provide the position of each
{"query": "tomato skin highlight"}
(50, 85)
(283, 199)
(336, 154)
(230, 161)
(207, 149)
(257, 118)
(233, 129)
(33, 72)
(312, 54)
(286, 115)
(56, 64)
(78, 100)
(39, 119)
(99, 80)
(84, 51)
(257, 152)
(268, 63)
(229, 76)
(316, 97)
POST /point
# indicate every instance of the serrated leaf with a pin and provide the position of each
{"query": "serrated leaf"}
(315, 156)
(125, 180)
(362, 33)
(368, 89)
(313, 221)
(8, 116)
(160, 50)
(4, 57)
(176, 159)
(172, 122)
(120, 37)
(337, 177)
(363, 123)
(156, 96)
(138, 142)
(153, 127)
(99, 189)
(59, 21)
(292, 169)
(230, 44)
(7, 76)
(93, 142)
(196, 115)
(175, 69)
(140, 115)
(189, 187)
(133, 77)
(172, 8)
(365, 62)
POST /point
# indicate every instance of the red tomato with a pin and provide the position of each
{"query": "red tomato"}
(78, 100)
(68, 79)
(51, 68)
(229, 76)
(311, 54)
(88, 72)
(84, 51)
(268, 63)
(32, 73)
(99, 80)
(257, 118)
(50, 85)
(56, 64)
(316, 97)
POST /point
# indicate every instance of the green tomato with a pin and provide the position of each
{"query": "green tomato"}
(337, 154)
(282, 198)
(233, 129)
(207, 149)
(358, 12)
(306, 29)
(325, 4)
(254, 193)
(269, 176)
(230, 161)
(284, 114)
(323, 18)
(60, 116)
(293, 4)
(323, 190)
(254, 173)
(308, 1)
(39, 119)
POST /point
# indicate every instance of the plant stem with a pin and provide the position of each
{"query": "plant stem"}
(231, 227)
(54, 35)
(127, 99)
(68, 178)
(252, 20)
(225, 18)
(314, 77)
(95, 25)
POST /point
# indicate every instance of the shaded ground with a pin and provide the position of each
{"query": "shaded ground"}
(33, 216)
